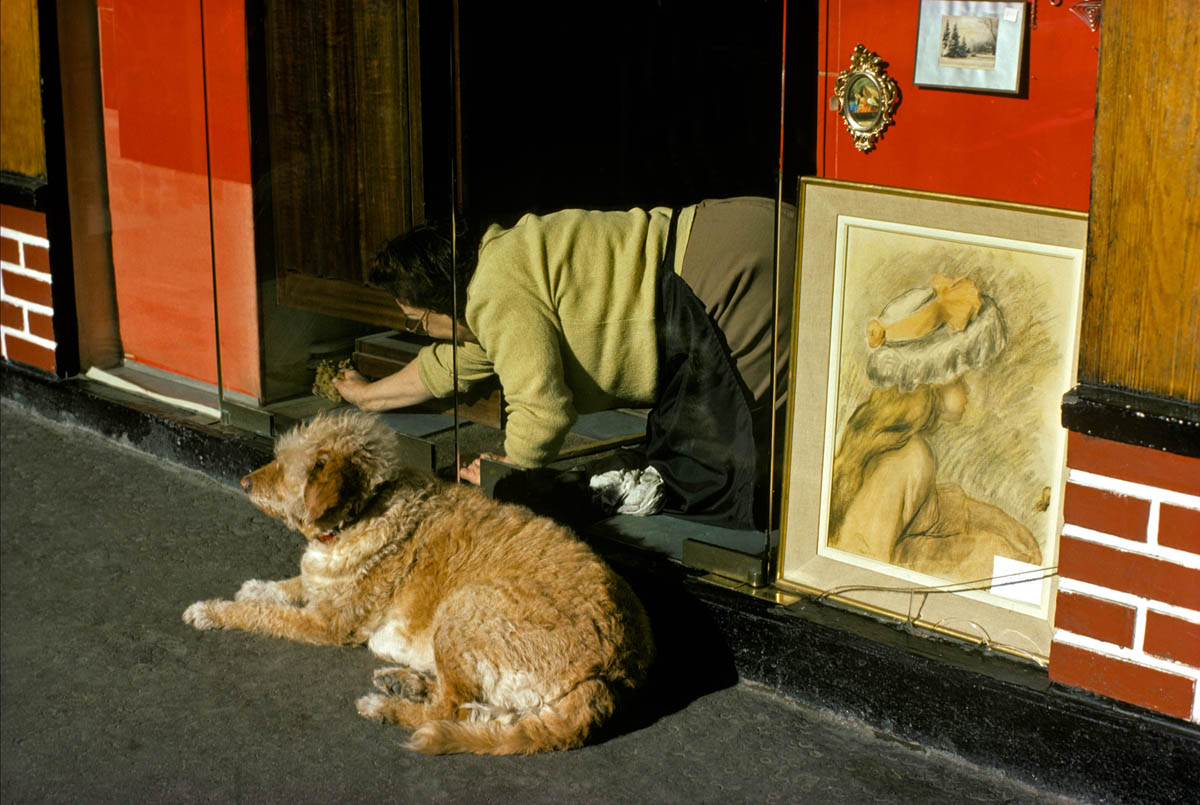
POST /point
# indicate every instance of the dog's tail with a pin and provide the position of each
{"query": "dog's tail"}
(565, 724)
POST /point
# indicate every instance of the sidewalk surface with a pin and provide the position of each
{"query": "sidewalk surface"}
(108, 696)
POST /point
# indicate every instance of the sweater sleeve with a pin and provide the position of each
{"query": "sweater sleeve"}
(435, 367)
(524, 336)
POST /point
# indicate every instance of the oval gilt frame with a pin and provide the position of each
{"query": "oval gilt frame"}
(865, 97)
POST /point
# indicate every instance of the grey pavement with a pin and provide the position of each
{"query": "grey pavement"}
(107, 695)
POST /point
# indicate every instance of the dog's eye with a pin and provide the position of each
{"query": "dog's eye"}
(320, 465)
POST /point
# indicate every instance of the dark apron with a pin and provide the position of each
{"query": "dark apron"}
(700, 433)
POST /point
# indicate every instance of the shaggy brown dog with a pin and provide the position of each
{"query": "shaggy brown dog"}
(507, 634)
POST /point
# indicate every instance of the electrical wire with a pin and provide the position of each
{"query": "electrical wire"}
(912, 617)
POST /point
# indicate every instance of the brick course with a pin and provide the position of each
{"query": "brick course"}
(1099, 510)
(12, 316)
(37, 258)
(1137, 684)
(20, 286)
(1127, 620)
(27, 352)
(1137, 464)
(41, 325)
(1179, 528)
(1095, 617)
(1173, 638)
(27, 302)
(25, 221)
(1139, 574)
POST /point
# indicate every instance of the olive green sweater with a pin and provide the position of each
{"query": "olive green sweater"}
(563, 306)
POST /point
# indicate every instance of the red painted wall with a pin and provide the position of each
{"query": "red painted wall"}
(1035, 149)
(154, 74)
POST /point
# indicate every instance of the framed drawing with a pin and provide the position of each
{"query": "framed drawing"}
(963, 44)
(935, 337)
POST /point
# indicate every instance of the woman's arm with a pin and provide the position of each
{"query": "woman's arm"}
(399, 390)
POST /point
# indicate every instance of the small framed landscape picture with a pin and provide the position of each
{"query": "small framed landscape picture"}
(962, 44)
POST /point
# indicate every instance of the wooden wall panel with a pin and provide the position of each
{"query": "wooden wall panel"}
(1141, 319)
(87, 185)
(24, 149)
(343, 101)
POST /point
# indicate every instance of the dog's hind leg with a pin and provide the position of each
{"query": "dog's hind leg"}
(404, 683)
(446, 696)
(407, 713)
(391, 710)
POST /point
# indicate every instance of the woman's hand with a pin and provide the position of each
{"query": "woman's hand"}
(400, 390)
(471, 472)
(352, 386)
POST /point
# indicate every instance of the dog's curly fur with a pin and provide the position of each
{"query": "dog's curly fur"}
(507, 634)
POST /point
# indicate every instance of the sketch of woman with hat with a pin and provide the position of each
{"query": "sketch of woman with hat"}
(886, 501)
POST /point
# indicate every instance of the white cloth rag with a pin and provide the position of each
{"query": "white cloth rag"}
(637, 492)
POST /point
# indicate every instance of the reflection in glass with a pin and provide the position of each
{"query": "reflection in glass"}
(579, 312)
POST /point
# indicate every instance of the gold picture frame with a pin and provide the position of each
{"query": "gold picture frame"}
(934, 338)
(865, 96)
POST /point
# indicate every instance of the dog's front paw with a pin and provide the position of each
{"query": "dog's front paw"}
(403, 682)
(374, 706)
(260, 590)
(202, 615)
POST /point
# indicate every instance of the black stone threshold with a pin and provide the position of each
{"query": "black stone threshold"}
(1132, 417)
(931, 693)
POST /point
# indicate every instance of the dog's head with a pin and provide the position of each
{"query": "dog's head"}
(326, 472)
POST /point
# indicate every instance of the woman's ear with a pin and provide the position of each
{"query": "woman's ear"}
(333, 483)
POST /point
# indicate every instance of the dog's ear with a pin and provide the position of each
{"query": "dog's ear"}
(332, 482)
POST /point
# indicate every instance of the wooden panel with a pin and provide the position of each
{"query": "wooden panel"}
(343, 105)
(343, 298)
(87, 185)
(1141, 319)
(24, 149)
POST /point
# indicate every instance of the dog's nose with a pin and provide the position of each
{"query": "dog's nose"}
(247, 483)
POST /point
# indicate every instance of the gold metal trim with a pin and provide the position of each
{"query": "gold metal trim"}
(865, 97)
(774, 595)
(785, 593)
(930, 195)
(737, 566)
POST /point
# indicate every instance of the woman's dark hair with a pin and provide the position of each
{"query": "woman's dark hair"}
(416, 268)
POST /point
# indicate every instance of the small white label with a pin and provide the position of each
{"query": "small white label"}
(1017, 581)
(1010, 15)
